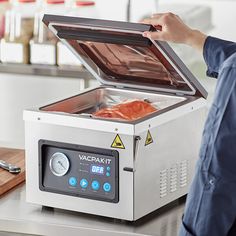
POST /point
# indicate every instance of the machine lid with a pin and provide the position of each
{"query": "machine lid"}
(117, 54)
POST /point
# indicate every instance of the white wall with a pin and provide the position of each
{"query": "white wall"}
(19, 92)
(117, 9)
(223, 16)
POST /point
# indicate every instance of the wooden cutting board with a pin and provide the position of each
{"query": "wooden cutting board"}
(8, 180)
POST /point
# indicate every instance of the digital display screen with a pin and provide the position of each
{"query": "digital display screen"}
(97, 170)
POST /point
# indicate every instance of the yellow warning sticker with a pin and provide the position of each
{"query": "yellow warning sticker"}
(117, 143)
(149, 138)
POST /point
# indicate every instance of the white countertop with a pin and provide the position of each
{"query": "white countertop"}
(20, 217)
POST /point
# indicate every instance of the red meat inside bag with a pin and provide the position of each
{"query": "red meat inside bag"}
(129, 110)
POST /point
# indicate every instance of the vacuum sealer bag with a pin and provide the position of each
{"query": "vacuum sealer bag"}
(128, 110)
(101, 102)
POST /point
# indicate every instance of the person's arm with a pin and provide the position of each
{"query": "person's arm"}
(215, 52)
(172, 29)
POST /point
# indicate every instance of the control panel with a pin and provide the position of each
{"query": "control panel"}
(80, 171)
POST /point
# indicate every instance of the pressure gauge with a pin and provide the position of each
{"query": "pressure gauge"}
(59, 164)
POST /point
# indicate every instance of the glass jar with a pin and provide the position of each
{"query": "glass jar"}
(43, 47)
(19, 25)
(4, 6)
(85, 9)
(21, 20)
(79, 8)
(54, 7)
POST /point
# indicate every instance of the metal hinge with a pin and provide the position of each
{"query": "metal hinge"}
(179, 94)
(119, 86)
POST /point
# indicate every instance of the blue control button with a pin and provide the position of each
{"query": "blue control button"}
(84, 183)
(108, 174)
(108, 168)
(72, 181)
(95, 185)
(107, 187)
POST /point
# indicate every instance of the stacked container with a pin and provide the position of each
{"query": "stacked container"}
(4, 6)
(79, 9)
(43, 46)
(19, 25)
(84, 9)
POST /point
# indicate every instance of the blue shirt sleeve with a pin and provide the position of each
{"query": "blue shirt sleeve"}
(215, 52)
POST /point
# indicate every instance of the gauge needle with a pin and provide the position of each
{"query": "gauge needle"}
(59, 162)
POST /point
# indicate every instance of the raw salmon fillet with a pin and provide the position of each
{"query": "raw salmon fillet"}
(129, 110)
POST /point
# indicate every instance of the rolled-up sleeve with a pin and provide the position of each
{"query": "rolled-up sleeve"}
(215, 52)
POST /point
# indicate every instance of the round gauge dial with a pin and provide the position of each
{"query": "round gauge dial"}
(59, 164)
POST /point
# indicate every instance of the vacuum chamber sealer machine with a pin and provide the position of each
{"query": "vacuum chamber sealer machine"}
(117, 168)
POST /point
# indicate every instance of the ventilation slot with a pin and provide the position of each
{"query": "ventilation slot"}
(173, 178)
(183, 173)
(163, 183)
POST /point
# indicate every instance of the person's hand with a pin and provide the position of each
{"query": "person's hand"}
(171, 28)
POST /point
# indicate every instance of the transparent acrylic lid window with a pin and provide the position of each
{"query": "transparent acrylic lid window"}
(128, 62)
(124, 58)
(95, 41)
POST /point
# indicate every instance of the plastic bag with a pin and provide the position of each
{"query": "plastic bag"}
(128, 110)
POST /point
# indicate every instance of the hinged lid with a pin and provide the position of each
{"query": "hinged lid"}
(117, 54)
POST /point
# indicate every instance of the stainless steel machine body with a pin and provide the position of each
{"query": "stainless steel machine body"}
(115, 168)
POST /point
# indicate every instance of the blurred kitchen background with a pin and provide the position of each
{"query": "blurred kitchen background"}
(36, 69)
